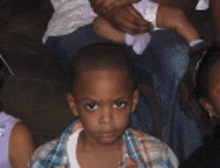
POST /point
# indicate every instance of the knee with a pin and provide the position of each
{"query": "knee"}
(176, 54)
(180, 59)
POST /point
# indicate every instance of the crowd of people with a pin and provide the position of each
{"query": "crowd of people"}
(105, 47)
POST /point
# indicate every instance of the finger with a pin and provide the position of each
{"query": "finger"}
(135, 30)
(104, 5)
(123, 20)
(99, 8)
(131, 27)
(130, 15)
(99, 5)
(118, 3)
(95, 2)
(137, 17)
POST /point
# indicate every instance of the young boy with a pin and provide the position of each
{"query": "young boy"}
(104, 94)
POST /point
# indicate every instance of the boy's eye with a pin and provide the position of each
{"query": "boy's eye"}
(92, 106)
(119, 105)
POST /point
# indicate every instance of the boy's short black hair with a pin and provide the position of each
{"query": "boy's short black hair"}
(105, 56)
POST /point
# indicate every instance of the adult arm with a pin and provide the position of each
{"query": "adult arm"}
(100, 5)
(175, 18)
(121, 15)
(21, 146)
(188, 6)
(215, 6)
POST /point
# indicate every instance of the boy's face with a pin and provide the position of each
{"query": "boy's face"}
(103, 100)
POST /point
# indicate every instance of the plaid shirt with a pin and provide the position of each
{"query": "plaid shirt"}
(141, 151)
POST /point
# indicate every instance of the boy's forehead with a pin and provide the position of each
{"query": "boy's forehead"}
(102, 67)
(107, 69)
(107, 75)
(122, 72)
(104, 73)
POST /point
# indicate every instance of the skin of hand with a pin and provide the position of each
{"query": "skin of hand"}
(188, 6)
(22, 145)
(121, 15)
(103, 28)
(175, 18)
(215, 6)
(100, 5)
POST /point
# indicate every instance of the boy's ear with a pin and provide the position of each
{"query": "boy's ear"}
(135, 100)
(208, 106)
(72, 104)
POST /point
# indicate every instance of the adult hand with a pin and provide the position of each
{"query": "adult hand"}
(122, 15)
(101, 5)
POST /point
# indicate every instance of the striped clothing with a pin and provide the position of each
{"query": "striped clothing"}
(141, 150)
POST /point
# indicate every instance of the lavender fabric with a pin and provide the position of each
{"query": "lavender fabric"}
(7, 123)
(138, 42)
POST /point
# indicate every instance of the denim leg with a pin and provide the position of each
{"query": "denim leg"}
(143, 118)
(165, 61)
(59, 54)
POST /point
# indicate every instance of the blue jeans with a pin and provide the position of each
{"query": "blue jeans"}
(164, 62)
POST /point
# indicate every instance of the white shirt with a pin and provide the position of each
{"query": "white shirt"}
(71, 149)
(67, 17)
(202, 5)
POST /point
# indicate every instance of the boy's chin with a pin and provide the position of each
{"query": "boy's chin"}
(109, 139)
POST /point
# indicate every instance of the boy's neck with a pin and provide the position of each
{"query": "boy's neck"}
(88, 145)
(93, 155)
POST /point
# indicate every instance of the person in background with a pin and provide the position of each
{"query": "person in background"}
(200, 98)
(129, 20)
(166, 17)
(16, 141)
(104, 94)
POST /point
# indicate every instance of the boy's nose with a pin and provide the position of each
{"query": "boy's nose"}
(106, 115)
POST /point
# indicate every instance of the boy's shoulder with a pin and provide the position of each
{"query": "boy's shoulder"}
(149, 149)
(43, 154)
(54, 152)
(44, 149)
(144, 137)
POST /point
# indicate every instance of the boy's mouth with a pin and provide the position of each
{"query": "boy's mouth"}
(107, 134)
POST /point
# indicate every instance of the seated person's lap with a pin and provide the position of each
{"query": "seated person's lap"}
(166, 52)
